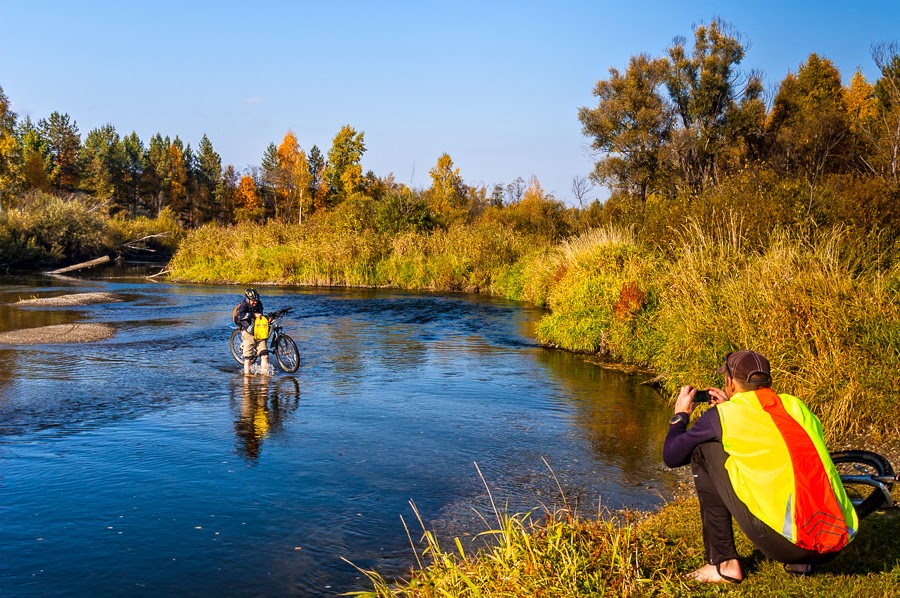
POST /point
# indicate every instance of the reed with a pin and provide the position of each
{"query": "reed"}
(628, 553)
(828, 321)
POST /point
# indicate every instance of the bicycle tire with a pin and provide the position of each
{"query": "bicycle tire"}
(865, 498)
(236, 350)
(287, 354)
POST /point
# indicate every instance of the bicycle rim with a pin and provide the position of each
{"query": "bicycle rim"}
(236, 350)
(287, 354)
(866, 498)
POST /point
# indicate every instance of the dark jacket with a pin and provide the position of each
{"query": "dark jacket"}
(246, 313)
(680, 441)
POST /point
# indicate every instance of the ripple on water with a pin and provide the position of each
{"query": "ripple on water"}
(153, 445)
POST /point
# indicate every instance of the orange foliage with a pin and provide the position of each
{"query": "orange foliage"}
(249, 206)
(631, 300)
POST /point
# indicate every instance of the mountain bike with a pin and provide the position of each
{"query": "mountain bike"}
(868, 478)
(282, 345)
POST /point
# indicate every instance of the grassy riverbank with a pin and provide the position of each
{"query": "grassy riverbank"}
(824, 311)
(632, 554)
(45, 230)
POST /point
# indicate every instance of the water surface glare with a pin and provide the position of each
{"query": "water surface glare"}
(147, 465)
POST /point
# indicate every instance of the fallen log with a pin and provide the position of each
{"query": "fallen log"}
(96, 262)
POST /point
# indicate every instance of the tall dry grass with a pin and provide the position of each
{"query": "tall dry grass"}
(561, 555)
(827, 318)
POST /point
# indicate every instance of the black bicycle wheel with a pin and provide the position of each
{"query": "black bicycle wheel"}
(865, 497)
(287, 353)
(236, 350)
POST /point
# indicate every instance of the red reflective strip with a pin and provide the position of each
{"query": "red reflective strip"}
(815, 507)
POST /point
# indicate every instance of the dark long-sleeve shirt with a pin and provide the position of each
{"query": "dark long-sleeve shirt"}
(681, 441)
(246, 313)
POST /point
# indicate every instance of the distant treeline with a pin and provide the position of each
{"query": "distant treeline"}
(731, 223)
(680, 136)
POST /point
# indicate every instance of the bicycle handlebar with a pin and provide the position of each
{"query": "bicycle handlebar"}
(278, 313)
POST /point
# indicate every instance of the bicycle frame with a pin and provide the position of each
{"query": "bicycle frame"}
(275, 331)
(879, 482)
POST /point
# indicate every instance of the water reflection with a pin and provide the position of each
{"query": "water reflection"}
(401, 394)
(265, 405)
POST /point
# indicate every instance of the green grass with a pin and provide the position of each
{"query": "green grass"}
(625, 554)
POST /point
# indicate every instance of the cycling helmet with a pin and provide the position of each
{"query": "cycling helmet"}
(251, 294)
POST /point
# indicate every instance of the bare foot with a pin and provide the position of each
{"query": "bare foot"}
(729, 571)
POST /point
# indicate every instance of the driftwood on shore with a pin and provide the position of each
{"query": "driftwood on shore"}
(82, 265)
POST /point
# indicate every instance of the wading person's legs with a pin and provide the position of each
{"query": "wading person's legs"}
(247, 345)
(262, 350)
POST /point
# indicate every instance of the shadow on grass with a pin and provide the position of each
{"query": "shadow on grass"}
(876, 548)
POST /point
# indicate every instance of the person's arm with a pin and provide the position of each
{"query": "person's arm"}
(681, 441)
(243, 316)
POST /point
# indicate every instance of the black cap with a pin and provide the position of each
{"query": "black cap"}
(746, 366)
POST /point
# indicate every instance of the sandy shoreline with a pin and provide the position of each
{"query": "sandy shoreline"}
(66, 300)
(59, 333)
(62, 333)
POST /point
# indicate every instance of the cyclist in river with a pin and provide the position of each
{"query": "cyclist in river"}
(760, 458)
(245, 315)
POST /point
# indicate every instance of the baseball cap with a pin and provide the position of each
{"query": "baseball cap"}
(746, 366)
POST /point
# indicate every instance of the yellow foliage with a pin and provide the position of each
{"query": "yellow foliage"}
(860, 100)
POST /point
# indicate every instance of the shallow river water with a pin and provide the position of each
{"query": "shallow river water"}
(147, 465)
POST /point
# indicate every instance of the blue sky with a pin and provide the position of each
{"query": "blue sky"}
(497, 85)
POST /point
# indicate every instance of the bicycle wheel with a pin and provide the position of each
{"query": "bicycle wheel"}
(236, 350)
(865, 497)
(287, 353)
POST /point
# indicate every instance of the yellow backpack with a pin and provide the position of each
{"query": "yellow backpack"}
(261, 328)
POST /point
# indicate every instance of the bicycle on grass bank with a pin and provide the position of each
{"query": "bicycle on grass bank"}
(282, 345)
(868, 478)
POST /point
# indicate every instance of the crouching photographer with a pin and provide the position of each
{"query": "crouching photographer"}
(760, 458)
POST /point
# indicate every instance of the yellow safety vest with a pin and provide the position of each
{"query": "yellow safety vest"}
(780, 469)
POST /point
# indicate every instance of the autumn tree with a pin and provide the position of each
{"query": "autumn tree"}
(267, 180)
(175, 180)
(536, 213)
(630, 127)
(715, 105)
(226, 191)
(447, 194)
(581, 187)
(63, 142)
(247, 202)
(515, 190)
(35, 156)
(102, 164)
(8, 148)
(208, 171)
(809, 122)
(343, 171)
(886, 134)
(155, 172)
(133, 172)
(318, 185)
(293, 177)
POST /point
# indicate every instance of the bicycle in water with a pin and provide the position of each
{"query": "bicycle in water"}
(282, 345)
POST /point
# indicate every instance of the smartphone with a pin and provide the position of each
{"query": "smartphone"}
(702, 396)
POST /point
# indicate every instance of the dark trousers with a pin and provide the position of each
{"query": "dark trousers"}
(719, 503)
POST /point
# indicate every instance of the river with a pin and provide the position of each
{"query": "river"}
(146, 464)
